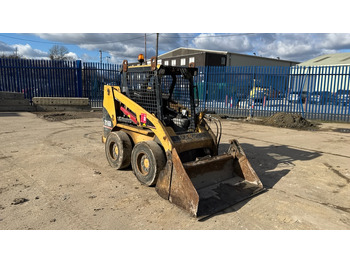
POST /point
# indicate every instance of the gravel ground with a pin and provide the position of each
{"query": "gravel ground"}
(54, 175)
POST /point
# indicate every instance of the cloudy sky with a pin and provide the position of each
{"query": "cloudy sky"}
(116, 27)
(119, 46)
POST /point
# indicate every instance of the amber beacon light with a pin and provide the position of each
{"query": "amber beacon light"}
(141, 58)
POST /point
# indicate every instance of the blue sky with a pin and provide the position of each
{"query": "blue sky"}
(119, 46)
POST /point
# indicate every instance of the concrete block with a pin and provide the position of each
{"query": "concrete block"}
(11, 95)
(60, 101)
(18, 108)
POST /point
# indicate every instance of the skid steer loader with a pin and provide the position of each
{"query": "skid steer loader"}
(150, 121)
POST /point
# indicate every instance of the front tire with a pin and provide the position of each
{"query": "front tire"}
(147, 160)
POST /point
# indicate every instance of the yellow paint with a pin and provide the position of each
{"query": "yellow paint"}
(146, 163)
(110, 103)
(116, 150)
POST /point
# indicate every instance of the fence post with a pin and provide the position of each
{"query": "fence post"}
(79, 92)
(206, 72)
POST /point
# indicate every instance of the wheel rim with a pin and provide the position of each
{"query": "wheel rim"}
(114, 151)
(143, 164)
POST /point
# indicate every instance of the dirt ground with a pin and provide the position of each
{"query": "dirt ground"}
(54, 175)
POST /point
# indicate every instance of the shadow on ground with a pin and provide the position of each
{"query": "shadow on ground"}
(8, 114)
(265, 160)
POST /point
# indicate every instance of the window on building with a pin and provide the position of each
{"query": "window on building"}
(223, 60)
(159, 62)
(191, 60)
(183, 61)
(166, 63)
(173, 62)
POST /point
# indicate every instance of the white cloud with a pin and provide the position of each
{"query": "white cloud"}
(334, 41)
(25, 51)
(72, 56)
(120, 46)
(295, 47)
(238, 43)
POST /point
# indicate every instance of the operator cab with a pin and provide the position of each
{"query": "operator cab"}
(165, 91)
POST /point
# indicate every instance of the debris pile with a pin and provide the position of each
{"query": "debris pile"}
(289, 121)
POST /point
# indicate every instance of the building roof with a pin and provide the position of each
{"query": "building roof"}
(194, 50)
(329, 59)
(263, 57)
(198, 51)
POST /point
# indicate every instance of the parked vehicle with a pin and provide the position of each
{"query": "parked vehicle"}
(295, 97)
(315, 98)
(326, 97)
(169, 146)
(343, 97)
(258, 93)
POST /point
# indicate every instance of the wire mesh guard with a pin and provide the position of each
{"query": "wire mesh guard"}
(142, 91)
(175, 107)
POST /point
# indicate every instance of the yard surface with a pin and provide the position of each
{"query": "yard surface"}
(54, 175)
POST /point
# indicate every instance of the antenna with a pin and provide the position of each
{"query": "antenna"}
(157, 48)
(145, 50)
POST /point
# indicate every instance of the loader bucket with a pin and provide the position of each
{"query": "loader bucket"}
(209, 185)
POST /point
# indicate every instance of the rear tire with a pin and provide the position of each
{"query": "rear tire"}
(147, 160)
(118, 149)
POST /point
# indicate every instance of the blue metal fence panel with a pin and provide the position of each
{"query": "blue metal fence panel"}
(46, 78)
(95, 76)
(38, 77)
(317, 92)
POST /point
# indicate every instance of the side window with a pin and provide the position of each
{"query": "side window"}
(223, 60)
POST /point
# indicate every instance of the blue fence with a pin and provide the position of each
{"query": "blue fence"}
(94, 77)
(39, 77)
(320, 92)
(43, 78)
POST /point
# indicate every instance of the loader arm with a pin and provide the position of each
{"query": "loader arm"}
(113, 97)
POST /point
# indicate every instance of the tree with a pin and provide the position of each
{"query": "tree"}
(58, 52)
(13, 56)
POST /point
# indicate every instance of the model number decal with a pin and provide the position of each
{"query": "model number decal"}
(108, 123)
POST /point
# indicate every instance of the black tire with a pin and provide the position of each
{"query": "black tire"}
(147, 160)
(118, 149)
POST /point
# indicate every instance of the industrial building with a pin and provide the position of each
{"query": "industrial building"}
(325, 73)
(338, 59)
(202, 57)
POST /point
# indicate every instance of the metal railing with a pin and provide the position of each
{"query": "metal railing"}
(320, 92)
(51, 78)
(317, 92)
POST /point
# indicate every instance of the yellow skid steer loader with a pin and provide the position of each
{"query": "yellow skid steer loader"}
(150, 122)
